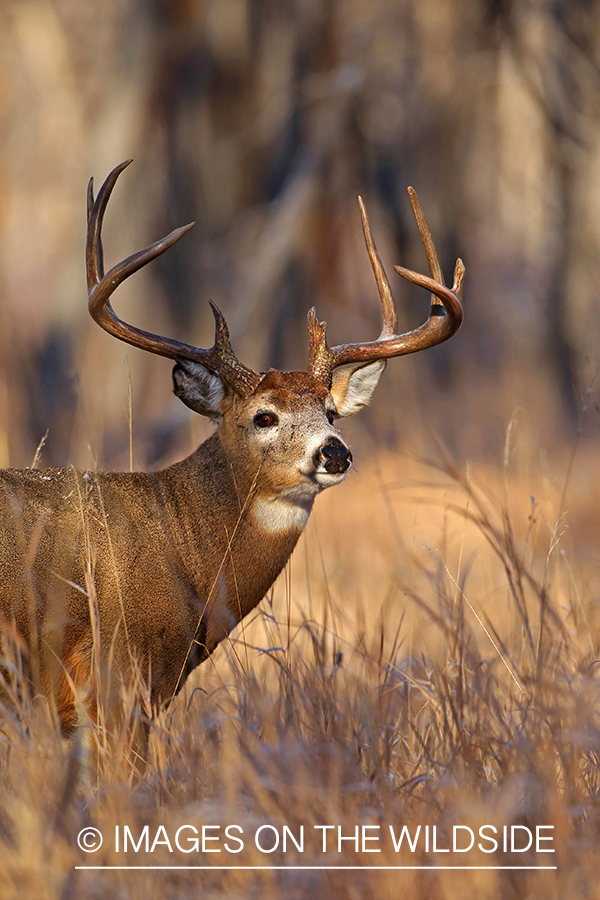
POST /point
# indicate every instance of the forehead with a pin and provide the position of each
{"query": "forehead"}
(288, 389)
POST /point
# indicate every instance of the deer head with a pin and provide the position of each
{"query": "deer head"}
(278, 426)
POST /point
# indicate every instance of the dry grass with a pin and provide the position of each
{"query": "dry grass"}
(428, 659)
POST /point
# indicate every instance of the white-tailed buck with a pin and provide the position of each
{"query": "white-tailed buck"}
(155, 569)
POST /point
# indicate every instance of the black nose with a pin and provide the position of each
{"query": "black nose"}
(336, 455)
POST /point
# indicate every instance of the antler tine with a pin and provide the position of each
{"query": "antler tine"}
(444, 320)
(433, 263)
(94, 255)
(388, 307)
(220, 359)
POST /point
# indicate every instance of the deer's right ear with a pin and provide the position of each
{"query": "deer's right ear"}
(199, 388)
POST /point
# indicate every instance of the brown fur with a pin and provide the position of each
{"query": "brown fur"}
(167, 563)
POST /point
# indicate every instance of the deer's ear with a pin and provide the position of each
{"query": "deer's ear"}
(353, 387)
(199, 389)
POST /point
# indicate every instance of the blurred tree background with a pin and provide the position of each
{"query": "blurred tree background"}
(262, 121)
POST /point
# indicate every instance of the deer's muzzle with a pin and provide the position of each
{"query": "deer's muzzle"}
(334, 457)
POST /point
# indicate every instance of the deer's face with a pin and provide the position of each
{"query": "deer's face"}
(281, 440)
(286, 431)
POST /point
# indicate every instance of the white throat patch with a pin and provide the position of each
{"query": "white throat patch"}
(280, 514)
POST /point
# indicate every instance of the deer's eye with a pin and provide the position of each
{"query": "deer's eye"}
(265, 420)
(330, 417)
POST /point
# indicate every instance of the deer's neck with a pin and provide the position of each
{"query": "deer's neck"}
(233, 541)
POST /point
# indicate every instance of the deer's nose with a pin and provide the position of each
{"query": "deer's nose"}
(334, 456)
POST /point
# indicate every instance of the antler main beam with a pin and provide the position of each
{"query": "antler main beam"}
(220, 359)
(445, 317)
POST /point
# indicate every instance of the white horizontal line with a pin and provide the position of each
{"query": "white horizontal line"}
(327, 868)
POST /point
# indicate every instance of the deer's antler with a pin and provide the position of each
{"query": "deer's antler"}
(445, 317)
(220, 359)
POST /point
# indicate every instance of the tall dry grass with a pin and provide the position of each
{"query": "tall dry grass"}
(428, 658)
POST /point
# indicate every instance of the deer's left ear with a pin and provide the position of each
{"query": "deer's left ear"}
(199, 389)
(353, 387)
